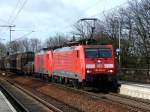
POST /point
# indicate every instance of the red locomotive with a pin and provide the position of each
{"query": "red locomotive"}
(43, 63)
(90, 64)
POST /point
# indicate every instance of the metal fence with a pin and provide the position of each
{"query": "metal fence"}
(134, 75)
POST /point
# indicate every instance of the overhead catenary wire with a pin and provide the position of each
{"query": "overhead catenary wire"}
(66, 26)
(111, 9)
(23, 36)
(19, 11)
(101, 13)
(64, 19)
(12, 13)
(92, 6)
(79, 17)
(14, 10)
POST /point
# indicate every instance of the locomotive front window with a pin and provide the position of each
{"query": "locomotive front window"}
(104, 53)
(91, 53)
(98, 53)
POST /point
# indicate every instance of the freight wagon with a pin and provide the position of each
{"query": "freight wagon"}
(2, 67)
(21, 63)
(24, 63)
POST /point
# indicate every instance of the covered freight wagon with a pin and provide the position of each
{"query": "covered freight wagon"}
(2, 67)
(25, 62)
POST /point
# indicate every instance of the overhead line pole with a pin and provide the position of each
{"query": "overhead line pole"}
(10, 30)
(92, 26)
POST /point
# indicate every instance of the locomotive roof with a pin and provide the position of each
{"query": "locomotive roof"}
(71, 48)
(84, 46)
(65, 49)
(72, 43)
(95, 46)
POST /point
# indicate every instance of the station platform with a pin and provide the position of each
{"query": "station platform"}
(135, 90)
(5, 105)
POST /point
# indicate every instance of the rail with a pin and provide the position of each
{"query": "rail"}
(23, 108)
(15, 102)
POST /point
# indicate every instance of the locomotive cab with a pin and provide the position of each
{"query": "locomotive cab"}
(100, 61)
(100, 64)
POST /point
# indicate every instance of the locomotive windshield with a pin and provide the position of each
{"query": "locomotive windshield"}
(98, 53)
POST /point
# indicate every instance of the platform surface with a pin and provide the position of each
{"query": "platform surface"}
(135, 84)
(5, 105)
(135, 90)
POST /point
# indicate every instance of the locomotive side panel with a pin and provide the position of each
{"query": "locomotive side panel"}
(66, 64)
(40, 63)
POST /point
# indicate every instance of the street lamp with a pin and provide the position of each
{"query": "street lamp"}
(118, 20)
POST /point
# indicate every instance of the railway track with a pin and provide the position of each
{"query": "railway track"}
(16, 103)
(29, 102)
(134, 104)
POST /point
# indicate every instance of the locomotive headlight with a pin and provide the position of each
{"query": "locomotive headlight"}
(89, 71)
(108, 65)
(110, 71)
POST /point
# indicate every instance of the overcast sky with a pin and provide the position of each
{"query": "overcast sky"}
(47, 17)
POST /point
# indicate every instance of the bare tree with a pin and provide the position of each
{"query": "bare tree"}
(141, 18)
(15, 47)
(35, 44)
(85, 28)
(2, 49)
(25, 43)
(81, 31)
(58, 40)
